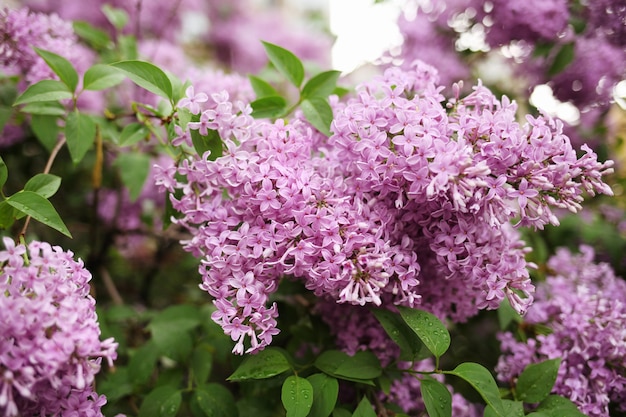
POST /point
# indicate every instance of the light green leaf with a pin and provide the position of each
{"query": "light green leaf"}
(322, 85)
(364, 409)
(319, 113)
(147, 76)
(46, 129)
(537, 380)
(61, 67)
(268, 107)
(45, 90)
(117, 17)
(133, 133)
(45, 108)
(437, 398)
(297, 396)
(286, 63)
(101, 77)
(210, 142)
(97, 38)
(46, 185)
(39, 208)
(80, 133)
(4, 172)
(482, 381)
(261, 87)
(265, 364)
(428, 328)
(325, 393)
(134, 168)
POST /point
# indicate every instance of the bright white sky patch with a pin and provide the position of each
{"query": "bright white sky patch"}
(543, 99)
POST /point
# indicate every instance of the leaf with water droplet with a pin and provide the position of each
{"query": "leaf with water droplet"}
(557, 406)
(364, 409)
(39, 208)
(325, 392)
(297, 396)
(265, 364)
(411, 346)
(437, 398)
(428, 328)
(511, 409)
(536, 381)
(213, 400)
(482, 381)
(362, 367)
(162, 401)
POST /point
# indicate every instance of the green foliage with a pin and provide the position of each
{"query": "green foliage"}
(297, 396)
(563, 58)
(61, 67)
(265, 364)
(536, 381)
(318, 112)
(39, 208)
(147, 76)
(286, 63)
(268, 107)
(80, 133)
(362, 367)
(45, 90)
(364, 409)
(482, 381)
(325, 393)
(411, 346)
(213, 400)
(102, 77)
(431, 331)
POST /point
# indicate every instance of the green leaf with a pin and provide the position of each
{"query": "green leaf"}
(411, 346)
(268, 107)
(297, 396)
(362, 367)
(80, 133)
(428, 328)
(46, 185)
(46, 129)
(482, 381)
(213, 400)
(4, 172)
(116, 385)
(318, 112)
(147, 76)
(170, 328)
(45, 108)
(7, 215)
(117, 17)
(45, 90)
(160, 402)
(507, 314)
(201, 363)
(133, 133)
(134, 168)
(61, 67)
(322, 85)
(265, 364)
(261, 87)
(437, 398)
(101, 77)
(128, 47)
(5, 115)
(97, 38)
(511, 409)
(563, 58)
(364, 409)
(286, 63)
(537, 380)
(557, 406)
(325, 393)
(210, 142)
(39, 208)
(341, 412)
(142, 363)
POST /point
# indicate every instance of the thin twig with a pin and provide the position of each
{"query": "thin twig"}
(111, 288)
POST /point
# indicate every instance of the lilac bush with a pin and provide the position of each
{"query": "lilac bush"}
(50, 348)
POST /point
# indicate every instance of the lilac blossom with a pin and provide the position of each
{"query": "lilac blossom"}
(409, 202)
(50, 348)
(584, 305)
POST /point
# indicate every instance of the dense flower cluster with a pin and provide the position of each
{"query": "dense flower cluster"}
(584, 305)
(50, 347)
(408, 202)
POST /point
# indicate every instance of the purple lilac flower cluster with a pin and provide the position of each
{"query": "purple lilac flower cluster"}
(50, 347)
(22, 30)
(584, 304)
(408, 202)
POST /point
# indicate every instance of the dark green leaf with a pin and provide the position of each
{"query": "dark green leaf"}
(45, 90)
(364, 409)
(80, 133)
(147, 76)
(318, 112)
(325, 392)
(171, 405)
(40, 209)
(5, 115)
(213, 400)
(46, 185)
(117, 17)
(46, 129)
(45, 108)
(7, 215)
(286, 63)
(261, 87)
(362, 367)
(211, 142)
(134, 168)
(563, 58)
(482, 381)
(4, 173)
(297, 396)
(437, 398)
(61, 67)
(411, 346)
(115, 385)
(142, 363)
(201, 363)
(537, 380)
(101, 77)
(341, 412)
(97, 38)
(322, 85)
(428, 328)
(557, 406)
(507, 314)
(133, 133)
(511, 409)
(156, 399)
(171, 328)
(265, 364)
(268, 107)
